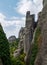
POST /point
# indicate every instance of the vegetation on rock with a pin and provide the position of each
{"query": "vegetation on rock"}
(13, 46)
(34, 49)
(18, 60)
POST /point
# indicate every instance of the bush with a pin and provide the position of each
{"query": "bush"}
(17, 61)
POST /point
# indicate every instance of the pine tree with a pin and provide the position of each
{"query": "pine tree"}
(4, 48)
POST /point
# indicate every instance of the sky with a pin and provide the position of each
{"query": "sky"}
(13, 14)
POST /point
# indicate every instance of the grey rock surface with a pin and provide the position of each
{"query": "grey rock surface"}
(41, 58)
(12, 39)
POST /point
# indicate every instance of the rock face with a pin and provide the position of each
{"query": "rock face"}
(12, 39)
(28, 32)
(44, 3)
(21, 38)
(17, 52)
(26, 35)
(41, 58)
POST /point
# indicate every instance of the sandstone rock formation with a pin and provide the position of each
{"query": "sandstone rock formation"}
(41, 58)
(12, 39)
(26, 35)
(21, 38)
(17, 52)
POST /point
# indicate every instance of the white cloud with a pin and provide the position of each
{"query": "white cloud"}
(14, 31)
(29, 5)
(22, 7)
(2, 16)
(14, 21)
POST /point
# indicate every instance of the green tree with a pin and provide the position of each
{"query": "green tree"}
(4, 48)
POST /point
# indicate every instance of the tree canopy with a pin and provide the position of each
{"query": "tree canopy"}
(4, 48)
